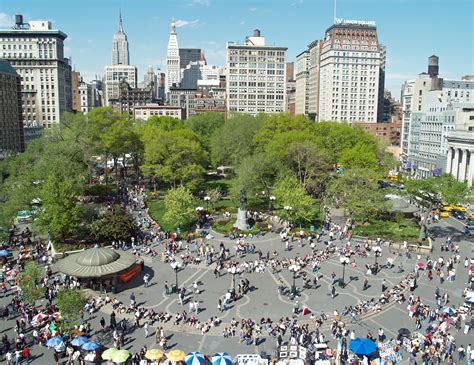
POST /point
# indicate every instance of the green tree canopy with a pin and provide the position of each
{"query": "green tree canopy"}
(30, 283)
(233, 142)
(62, 213)
(114, 225)
(358, 192)
(70, 303)
(205, 125)
(180, 206)
(174, 157)
(298, 206)
(438, 189)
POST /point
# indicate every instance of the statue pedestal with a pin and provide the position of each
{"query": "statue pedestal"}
(241, 222)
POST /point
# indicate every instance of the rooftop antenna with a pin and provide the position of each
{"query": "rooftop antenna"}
(335, 1)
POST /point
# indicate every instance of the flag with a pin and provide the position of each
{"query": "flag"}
(306, 311)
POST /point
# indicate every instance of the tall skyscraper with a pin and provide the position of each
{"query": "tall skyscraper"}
(150, 81)
(341, 78)
(36, 52)
(188, 55)
(351, 61)
(173, 72)
(11, 123)
(256, 80)
(120, 53)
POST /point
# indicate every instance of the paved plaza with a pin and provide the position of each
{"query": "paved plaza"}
(264, 300)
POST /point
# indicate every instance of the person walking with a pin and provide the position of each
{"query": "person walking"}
(167, 288)
(146, 279)
(219, 305)
(384, 285)
(366, 284)
(333, 291)
(145, 328)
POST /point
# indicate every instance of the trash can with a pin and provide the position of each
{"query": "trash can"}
(114, 289)
(174, 289)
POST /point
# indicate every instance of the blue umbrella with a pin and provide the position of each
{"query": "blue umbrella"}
(54, 341)
(362, 346)
(194, 358)
(221, 358)
(91, 346)
(79, 341)
(449, 310)
(4, 253)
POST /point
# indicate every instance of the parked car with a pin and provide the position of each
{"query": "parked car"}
(459, 207)
(469, 230)
(458, 214)
(470, 221)
(444, 214)
(471, 215)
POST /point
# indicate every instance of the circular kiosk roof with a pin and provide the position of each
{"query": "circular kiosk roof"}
(96, 262)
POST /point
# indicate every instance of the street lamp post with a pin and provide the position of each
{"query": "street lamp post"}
(176, 266)
(344, 261)
(294, 269)
(271, 199)
(233, 271)
(377, 252)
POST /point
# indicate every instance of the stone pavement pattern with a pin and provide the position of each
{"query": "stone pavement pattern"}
(263, 299)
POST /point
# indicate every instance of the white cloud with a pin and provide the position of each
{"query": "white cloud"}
(90, 41)
(242, 22)
(188, 23)
(252, 10)
(297, 2)
(201, 2)
(6, 20)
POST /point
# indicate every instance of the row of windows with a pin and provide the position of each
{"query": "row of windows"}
(254, 52)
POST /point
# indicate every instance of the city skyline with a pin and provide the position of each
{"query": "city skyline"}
(201, 24)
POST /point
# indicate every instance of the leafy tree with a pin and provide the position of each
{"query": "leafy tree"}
(256, 174)
(175, 157)
(281, 123)
(310, 165)
(361, 155)
(358, 192)
(180, 207)
(205, 125)
(70, 303)
(62, 213)
(233, 142)
(114, 225)
(435, 190)
(214, 195)
(300, 207)
(30, 283)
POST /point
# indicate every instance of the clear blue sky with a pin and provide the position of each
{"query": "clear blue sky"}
(412, 30)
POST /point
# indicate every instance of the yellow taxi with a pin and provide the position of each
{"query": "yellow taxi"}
(471, 215)
(444, 213)
(458, 207)
(447, 208)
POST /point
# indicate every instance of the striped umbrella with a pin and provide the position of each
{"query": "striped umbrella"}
(469, 297)
(194, 358)
(449, 310)
(221, 358)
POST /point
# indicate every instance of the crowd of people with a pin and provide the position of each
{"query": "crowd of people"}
(241, 259)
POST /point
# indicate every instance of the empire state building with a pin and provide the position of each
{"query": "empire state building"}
(120, 53)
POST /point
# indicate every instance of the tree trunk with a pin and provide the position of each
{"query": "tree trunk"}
(106, 172)
(425, 220)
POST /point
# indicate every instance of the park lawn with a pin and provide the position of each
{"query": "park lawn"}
(215, 182)
(157, 211)
(385, 229)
